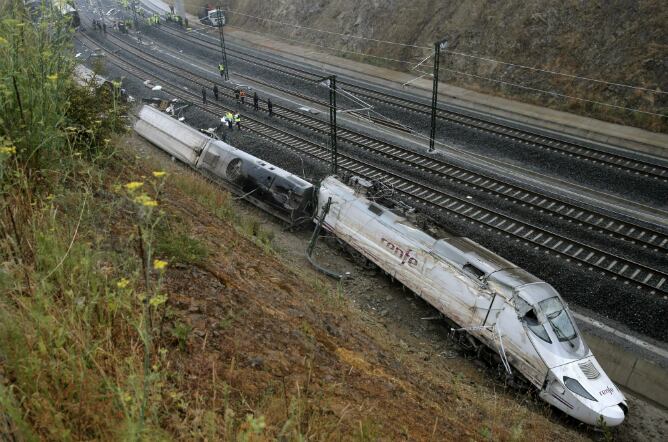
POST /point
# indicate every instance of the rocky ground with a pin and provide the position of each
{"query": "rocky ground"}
(617, 41)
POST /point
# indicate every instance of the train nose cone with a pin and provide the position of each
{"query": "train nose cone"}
(613, 415)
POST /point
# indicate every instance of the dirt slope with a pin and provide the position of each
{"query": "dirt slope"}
(618, 41)
(274, 340)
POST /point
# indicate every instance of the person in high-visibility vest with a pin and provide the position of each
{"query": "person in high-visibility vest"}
(237, 120)
(221, 69)
(230, 119)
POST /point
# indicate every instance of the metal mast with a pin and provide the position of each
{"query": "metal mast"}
(221, 24)
(443, 44)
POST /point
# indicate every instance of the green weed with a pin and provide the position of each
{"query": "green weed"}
(178, 246)
(181, 332)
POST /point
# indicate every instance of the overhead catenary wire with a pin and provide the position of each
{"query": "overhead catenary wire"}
(552, 93)
(301, 42)
(458, 53)
(557, 94)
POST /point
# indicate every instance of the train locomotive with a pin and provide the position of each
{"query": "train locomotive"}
(271, 188)
(518, 317)
(513, 313)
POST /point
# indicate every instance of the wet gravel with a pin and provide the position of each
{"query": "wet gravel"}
(636, 188)
(647, 256)
(645, 313)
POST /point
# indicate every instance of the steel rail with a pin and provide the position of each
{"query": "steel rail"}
(596, 156)
(616, 267)
(580, 217)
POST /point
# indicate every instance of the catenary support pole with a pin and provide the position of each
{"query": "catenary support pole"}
(134, 13)
(332, 123)
(221, 23)
(330, 82)
(443, 44)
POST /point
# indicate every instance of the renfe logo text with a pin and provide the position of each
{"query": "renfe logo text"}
(404, 256)
(606, 391)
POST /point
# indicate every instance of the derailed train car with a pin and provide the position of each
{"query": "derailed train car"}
(271, 188)
(39, 9)
(516, 315)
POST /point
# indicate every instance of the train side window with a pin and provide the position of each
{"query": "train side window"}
(530, 318)
(375, 209)
(474, 271)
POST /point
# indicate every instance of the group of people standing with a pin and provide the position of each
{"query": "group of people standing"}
(153, 20)
(100, 26)
(240, 95)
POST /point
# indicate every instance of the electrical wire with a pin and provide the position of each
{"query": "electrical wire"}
(328, 32)
(462, 54)
(556, 94)
(547, 71)
(467, 74)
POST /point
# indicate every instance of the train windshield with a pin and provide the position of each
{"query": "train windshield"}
(557, 316)
(546, 317)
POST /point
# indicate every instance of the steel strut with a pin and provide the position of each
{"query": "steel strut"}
(314, 239)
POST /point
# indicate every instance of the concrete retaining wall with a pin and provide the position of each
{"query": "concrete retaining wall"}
(627, 370)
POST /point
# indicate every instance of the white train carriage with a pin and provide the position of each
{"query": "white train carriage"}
(269, 187)
(515, 314)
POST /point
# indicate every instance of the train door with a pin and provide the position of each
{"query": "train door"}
(488, 305)
(449, 290)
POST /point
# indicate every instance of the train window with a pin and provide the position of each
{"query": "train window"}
(375, 209)
(561, 323)
(536, 327)
(474, 271)
(528, 315)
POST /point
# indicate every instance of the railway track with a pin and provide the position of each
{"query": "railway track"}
(538, 238)
(584, 153)
(446, 171)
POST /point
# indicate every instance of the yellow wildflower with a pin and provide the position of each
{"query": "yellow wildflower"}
(9, 150)
(159, 264)
(122, 283)
(146, 201)
(134, 185)
(52, 77)
(158, 300)
(159, 174)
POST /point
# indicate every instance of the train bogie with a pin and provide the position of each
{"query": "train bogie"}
(512, 312)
